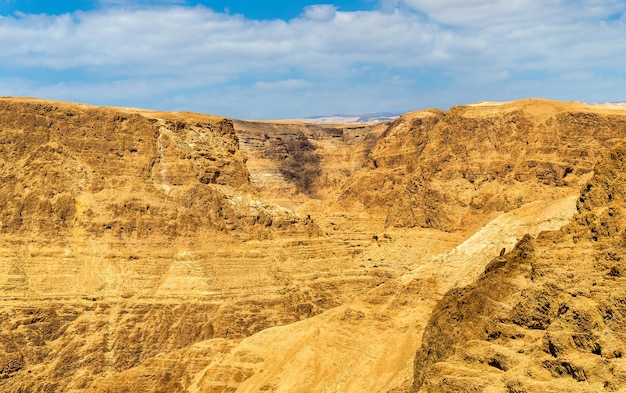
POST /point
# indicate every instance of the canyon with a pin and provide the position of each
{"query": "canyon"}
(474, 249)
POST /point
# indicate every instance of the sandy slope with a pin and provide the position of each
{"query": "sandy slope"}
(549, 315)
(368, 345)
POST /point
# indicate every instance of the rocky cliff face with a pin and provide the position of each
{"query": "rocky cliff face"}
(450, 170)
(178, 252)
(123, 172)
(295, 163)
(549, 315)
(112, 221)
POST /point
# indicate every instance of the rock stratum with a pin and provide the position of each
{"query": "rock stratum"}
(546, 317)
(475, 249)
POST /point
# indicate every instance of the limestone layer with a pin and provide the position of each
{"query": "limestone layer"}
(146, 251)
(549, 315)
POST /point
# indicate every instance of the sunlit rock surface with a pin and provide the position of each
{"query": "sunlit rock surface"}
(145, 251)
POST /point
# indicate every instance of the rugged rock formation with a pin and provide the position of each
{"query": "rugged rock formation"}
(123, 172)
(112, 223)
(450, 170)
(549, 315)
(292, 163)
(177, 252)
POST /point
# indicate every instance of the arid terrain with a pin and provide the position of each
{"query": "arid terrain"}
(479, 249)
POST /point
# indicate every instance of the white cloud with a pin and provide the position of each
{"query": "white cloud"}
(169, 40)
(283, 84)
(320, 12)
(514, 13)
(158, 40)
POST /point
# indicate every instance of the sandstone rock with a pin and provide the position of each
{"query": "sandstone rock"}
(124, 172)
(553, 311)
(447, 170)
(179, 252)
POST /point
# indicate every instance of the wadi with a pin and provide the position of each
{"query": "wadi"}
(475, 249)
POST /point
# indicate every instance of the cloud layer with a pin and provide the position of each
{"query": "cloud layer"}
(401, 56)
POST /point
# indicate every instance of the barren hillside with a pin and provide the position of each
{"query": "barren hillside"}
(145, 251)
(447, 170)
(547, 316)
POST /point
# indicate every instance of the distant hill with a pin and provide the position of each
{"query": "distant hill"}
(367, 118)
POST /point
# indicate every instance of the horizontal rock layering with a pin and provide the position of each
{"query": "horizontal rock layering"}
(179, 252)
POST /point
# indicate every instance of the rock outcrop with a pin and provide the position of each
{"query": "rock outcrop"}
(111, 222)
(126, 173)
(293, 163)
(549, 315)
(450, 170)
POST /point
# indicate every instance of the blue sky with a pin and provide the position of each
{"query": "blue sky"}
(252, 9)
(286, 59)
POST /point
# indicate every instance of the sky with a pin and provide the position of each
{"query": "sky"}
(289, 59)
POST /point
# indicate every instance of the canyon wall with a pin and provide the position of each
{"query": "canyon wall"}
(547, 316)
(179, 252)
(451, 169)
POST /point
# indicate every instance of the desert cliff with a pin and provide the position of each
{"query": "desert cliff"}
(475, 248)
(547, 316)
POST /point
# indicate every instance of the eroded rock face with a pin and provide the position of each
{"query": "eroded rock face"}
(304, 161)
(178, 252)
(121, 240)
(446, 170)
(549, 316)
(129, 173)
